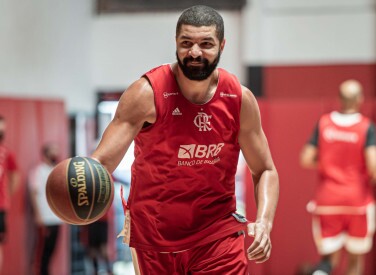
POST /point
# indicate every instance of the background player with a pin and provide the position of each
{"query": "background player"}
(47, 222)
(9, 181)
(343, 148)
(189, 121)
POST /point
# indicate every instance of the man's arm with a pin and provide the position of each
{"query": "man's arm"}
(256, 152)
(371, 162)
(13, 174)
(33, 187)
(370, 153)
(308, 156)
(136, 106)
(14, 181)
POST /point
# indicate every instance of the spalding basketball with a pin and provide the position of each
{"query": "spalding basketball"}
(79, 190)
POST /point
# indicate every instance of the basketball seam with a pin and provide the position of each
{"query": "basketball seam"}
(93, 187)
(104, 210)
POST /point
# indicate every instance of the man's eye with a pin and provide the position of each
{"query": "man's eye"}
(206, 45)
(186, 44)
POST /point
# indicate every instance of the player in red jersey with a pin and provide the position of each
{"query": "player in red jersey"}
(9, 179)
(189, 121)
(343, 148)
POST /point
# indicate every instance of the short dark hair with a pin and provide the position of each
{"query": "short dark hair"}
(202, 16)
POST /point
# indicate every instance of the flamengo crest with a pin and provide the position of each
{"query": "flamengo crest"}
(202, 122)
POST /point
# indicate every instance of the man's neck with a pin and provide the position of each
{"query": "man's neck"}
(198, 92)
(349, 111)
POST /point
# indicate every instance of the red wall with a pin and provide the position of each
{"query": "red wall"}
(315, 81)
(295, 97)
(31, 123)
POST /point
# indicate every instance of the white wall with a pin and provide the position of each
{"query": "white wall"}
(310, 5)
(127, 45)
(45, 50)
(305, 31)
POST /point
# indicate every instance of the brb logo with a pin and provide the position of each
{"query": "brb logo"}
(199, 151)
(202, 122)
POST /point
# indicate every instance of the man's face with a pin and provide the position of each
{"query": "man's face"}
(53, 153)
(198, 51)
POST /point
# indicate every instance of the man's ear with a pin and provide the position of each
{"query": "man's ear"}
(223, 45)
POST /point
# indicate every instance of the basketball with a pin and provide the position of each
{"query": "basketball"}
(79, 190)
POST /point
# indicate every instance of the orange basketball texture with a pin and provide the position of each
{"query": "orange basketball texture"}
(79, 190)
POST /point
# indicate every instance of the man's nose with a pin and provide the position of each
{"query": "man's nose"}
(195, 51)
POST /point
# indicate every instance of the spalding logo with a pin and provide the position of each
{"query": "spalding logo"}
(79, 175)
(80, 183)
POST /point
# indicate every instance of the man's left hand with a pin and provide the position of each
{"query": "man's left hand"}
(260, 249)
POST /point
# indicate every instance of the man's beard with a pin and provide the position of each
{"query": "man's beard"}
(197, 72)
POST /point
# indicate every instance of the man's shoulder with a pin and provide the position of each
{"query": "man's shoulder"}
(348, 120)
(163, 67)
(225, 73)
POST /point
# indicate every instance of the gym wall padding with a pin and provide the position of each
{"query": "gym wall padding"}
(31, 123)
(315, 81)
(288, 124)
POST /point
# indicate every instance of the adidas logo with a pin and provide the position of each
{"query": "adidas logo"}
(176, 112)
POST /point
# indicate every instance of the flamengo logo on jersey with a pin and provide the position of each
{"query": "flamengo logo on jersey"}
(202, 122)
(191, 151)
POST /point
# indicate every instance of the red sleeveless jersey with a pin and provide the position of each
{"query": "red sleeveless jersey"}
(7, 163)
(183, 176)
(343, 176)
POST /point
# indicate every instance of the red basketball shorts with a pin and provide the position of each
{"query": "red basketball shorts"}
(224, 256)
(354, 231)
